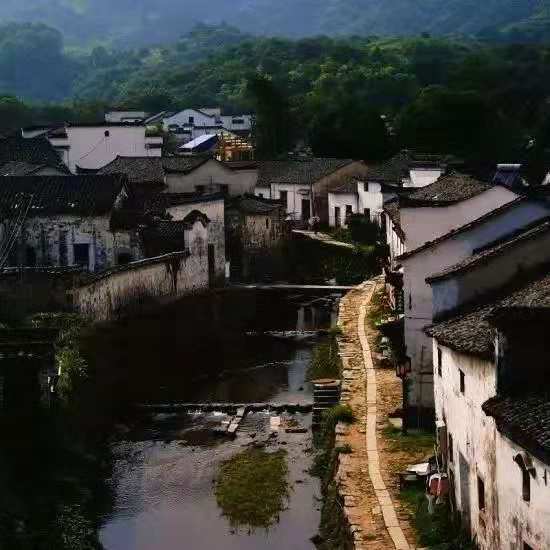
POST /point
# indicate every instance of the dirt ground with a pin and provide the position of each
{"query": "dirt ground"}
(362, 506)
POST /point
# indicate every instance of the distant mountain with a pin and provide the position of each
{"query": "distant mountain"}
(142, 22)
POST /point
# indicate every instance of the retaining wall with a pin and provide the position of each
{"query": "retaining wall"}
(139, 285)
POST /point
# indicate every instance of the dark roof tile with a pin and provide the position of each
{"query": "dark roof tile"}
(38, 151)
(139, 170)
(525, 419)
(298, 171)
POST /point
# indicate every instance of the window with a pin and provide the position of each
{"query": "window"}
(261, 195)
(238, 121)
(284, 197)
(439, 361)
(349, 210)
(462, 382)
(525, 484)
(199, 189)
(366, 187)
(81, 254)
(124, 258)
(191, 120)
(451, 449)
(107, 133)
(267, 223)
(480, 494)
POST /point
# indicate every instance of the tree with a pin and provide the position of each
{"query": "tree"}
(13, 113)
(273, 121)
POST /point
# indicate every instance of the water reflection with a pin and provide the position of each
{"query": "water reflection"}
(166, 464)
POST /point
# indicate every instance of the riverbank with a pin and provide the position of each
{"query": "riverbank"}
(365, 477)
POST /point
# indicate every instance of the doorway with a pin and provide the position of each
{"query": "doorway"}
(306, 209)
(464, 469)
(211, 265)
(337, 216)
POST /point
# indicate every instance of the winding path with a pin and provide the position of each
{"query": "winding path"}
(368, 505)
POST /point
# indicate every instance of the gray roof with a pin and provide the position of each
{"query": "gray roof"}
(250, 205)
(448, 189)
(481, 255)
(525, 419)
(184, 164)
(393, 171)
(391, 208)
(304, 171)
(471, 332)
(37, 151)
(140, 170)
(51, 195)
(18, 168)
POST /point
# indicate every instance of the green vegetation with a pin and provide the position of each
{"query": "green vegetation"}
(252, 488)
(479, 101)
(438, 531)
(138, 22)
(326, 362)
(415, 441)
(72, 366)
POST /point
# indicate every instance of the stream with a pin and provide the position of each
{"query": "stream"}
(237, 347)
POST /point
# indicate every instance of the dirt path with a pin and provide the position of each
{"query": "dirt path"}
(366, 476)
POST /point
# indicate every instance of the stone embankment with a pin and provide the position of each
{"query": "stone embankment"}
(363, 479)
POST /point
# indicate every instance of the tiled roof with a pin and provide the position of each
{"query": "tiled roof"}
(471, 331)
(391, 208)
(167, 200)
(448, 189)
(298, 171)
(525, 419)
(503, 245)
(241, 164)
(466, 227)
(348, 187)
(37, 151)
(140, 170)
(184, 164)
(250, 205)
(395, 169)
(50, 195)
(17, 168)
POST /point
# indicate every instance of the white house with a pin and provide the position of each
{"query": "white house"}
(431, 215)
(303, 184)
(491, 388)
(358, 197)
(203, 174)
(92, 146)
(190, 124)
(131, 116)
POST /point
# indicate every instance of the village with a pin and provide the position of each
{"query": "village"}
(115, 219)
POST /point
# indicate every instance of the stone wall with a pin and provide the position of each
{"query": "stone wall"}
(139, 285)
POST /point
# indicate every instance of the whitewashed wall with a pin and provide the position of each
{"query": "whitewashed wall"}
(341, 200)
(90, 148)
(211, 175)
(470, 285)
(522, 522)
(423, 224)
(294, 198)
(215, 211)
(44, 236)
(141, 284)
(474, 436)
(420, 177)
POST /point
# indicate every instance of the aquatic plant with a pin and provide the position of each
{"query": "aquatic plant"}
(252, 488)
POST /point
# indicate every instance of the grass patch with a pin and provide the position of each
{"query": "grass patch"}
(252, 488)
(379, 307)
(416, 441)
(438, 530)
(326, 362)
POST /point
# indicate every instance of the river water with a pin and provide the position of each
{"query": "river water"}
(238, 347)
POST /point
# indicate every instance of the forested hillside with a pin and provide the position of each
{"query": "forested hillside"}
(479, 101)
(139, 22)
